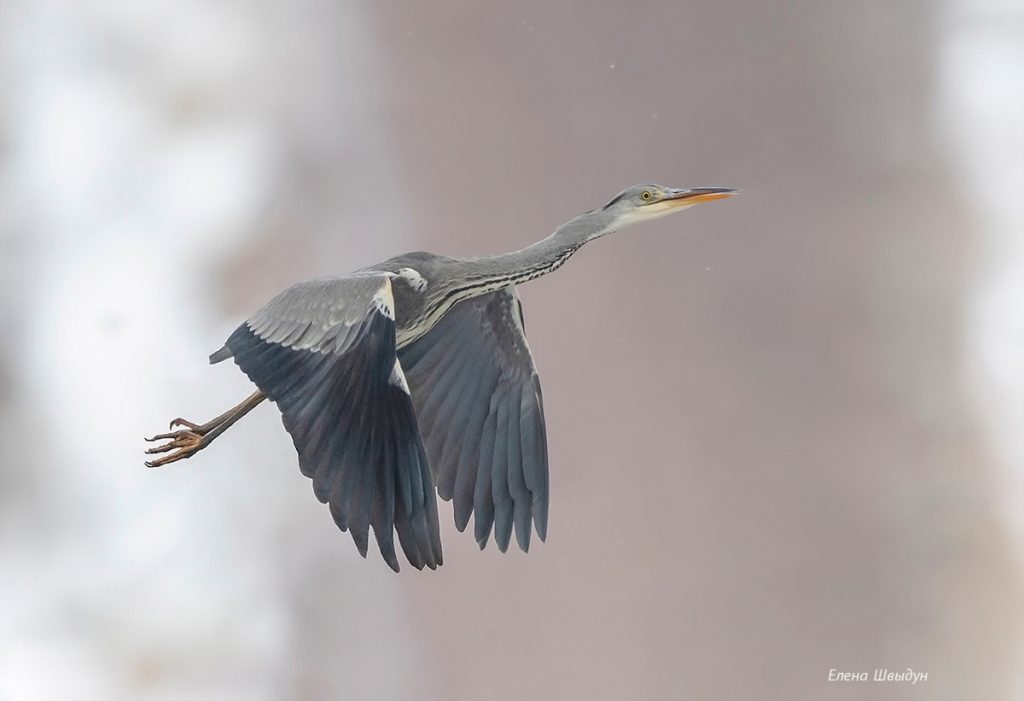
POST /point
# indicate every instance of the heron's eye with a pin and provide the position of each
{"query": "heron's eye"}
(646, 195)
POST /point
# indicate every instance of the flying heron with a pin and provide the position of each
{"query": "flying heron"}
(413, 373)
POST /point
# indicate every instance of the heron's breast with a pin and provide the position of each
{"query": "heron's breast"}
(412, 313)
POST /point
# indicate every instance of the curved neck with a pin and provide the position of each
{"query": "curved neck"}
(466, 278)
(487, 273)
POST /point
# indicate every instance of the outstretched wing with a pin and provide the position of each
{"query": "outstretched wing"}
(324, 352)
(481, 414)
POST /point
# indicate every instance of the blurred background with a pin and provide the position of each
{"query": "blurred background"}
(784, 429)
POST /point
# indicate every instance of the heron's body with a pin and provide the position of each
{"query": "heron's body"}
(413, 374)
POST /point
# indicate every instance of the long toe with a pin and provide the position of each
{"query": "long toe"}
(187, 424)
(173, 457)
(161, 448)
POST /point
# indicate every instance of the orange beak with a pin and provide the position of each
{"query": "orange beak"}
(696, 195)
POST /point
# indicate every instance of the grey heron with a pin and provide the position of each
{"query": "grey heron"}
(415, 374)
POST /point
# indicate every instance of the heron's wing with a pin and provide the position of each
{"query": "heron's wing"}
(481, 415)
(324, 352)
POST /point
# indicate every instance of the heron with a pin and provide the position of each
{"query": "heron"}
(414, 375)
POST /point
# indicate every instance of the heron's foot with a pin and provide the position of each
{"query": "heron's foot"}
(180, 444)
(192, 438)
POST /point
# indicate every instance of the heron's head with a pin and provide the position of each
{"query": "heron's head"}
(642, 202)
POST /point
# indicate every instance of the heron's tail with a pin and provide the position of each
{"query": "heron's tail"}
(223, 354)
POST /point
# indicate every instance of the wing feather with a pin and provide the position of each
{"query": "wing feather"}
(483, 499)
(470, 455)
(504, 507)
(521, 497)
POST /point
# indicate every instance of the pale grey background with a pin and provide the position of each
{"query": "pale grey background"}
(785, 428)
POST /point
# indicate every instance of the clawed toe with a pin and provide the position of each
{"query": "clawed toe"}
(183, 443)
(193, 429)
(198, 428)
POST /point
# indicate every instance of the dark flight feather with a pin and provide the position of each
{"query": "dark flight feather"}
(482, 418)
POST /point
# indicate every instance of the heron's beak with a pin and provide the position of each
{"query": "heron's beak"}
(696, 195)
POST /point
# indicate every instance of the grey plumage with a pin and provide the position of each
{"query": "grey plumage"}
(416, 373)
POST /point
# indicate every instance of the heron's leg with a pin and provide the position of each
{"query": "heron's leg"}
(195, 437)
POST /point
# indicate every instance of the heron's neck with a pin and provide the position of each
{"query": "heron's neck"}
(488, 273)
